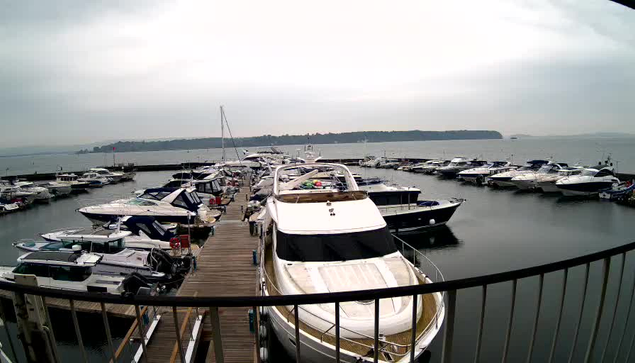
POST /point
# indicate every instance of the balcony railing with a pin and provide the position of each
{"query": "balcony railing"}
(594, 350)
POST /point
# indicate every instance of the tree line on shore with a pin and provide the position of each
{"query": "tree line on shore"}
(317, 138)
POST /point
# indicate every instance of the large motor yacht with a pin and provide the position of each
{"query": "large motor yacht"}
(504, 179)
(73, 181)
(115, 177)
(589, 182)
(333, 239)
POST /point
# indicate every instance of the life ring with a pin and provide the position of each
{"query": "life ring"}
(175, 243)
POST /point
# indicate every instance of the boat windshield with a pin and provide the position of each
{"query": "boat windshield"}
(589, 172)
(141, 202)
(335, 247)
(546, 169)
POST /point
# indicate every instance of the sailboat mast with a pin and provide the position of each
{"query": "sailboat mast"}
(222, 131)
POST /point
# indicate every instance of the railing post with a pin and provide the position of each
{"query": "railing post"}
(413, 328)
(617, 302)
(77, 331)
(535, 328)
(376, 337)
(337, 332)
(142, 334)
(557, 330)
(111, 346)
(511, 321)
(598, 314)
(216, 334)
(628, 315)
(177, 331)
(296, 310)
(479, 338)
(448, 335)
(577, 329)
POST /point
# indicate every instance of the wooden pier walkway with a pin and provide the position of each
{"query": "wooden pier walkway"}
(224, 268)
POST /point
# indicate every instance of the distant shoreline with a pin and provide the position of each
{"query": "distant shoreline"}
(269, 140)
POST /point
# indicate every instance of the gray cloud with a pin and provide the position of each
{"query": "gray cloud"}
(75, 71)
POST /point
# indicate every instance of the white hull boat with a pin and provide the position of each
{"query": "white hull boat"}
(329, 240)
(589, 183)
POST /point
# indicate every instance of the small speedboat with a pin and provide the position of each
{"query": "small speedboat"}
(94, 180)
(73, 271)
(115, 177)
(8, 207)
(137, 232)
(618, 192)
(589, 182)
(457, 165)
(504, 179)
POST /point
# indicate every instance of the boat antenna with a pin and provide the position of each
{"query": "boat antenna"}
(222, 132)
(224, 117)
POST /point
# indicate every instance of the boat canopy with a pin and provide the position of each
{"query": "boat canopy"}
(149, 226)
(179, 197)
(334, 247)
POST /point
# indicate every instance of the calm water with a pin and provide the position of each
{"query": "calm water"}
(584, 151)
(495, 230)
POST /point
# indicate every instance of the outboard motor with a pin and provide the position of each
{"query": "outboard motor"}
(161, 261)
(136, 282)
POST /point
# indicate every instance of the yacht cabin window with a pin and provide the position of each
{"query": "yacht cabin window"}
(62, 273)
(334, 247)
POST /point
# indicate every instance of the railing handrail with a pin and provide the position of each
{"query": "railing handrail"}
(320, 298)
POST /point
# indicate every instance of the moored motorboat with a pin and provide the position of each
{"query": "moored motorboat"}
(504, 179)
(42, 195)
(58, 189)
(547, 182)
(114, 177)
(72, 271)
(457, 165)
(588, 183)
(94, 180)
(528, 181)
(479, 175)
(73, 181)
(340, 234)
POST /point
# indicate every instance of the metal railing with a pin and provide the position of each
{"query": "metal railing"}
(451, 288)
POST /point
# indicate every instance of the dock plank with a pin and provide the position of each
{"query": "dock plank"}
(224, 268)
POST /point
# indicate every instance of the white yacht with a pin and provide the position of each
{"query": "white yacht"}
(427, 167)
(504, 179)
(68, 271)
(589, 182)
(115, 177)
(42, 195)
(136, 232)
(457, 165)
(94, 180)
(480, 174)
(172, 205)
(57, 189)
(72, 180)
(528, 181)
(13, 194)
(332, 240)
(547, 182)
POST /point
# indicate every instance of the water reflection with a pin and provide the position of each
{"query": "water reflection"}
(440, 237)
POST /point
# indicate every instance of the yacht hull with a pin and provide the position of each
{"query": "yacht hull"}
(548, 187)
(583, 189)
(315, 351)
(403, 219)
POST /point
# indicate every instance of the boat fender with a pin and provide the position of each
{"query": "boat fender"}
(262, 332)
(264, 354)
(432, 221)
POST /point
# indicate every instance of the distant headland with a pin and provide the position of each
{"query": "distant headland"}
(317, 138)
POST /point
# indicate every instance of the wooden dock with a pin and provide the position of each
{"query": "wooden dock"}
(224, 268)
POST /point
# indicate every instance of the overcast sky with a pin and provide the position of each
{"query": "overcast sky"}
(84, 71)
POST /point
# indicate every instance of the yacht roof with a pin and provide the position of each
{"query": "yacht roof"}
(318, 218)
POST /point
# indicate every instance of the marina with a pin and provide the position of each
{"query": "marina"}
(225, 261)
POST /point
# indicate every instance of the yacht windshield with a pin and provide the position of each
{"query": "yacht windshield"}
(588, 172)
(335, 247)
